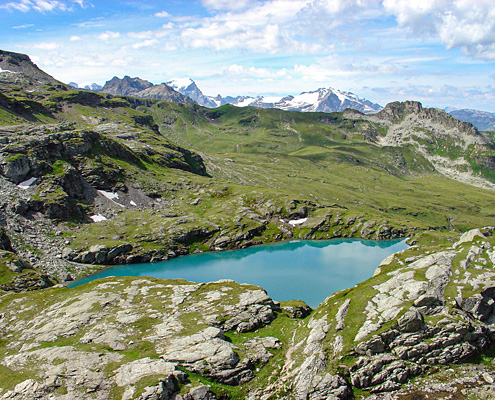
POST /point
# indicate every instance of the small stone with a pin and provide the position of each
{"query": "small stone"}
(487, 377)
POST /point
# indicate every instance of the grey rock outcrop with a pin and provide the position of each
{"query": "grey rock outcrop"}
(407, 322)
(171, 320)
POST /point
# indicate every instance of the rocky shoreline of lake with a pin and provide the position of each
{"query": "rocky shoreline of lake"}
(422, 312)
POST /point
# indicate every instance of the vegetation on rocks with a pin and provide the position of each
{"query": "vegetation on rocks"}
(90, 180)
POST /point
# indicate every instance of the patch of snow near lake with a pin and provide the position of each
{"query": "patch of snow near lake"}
(26, 184)
(132, 203)
(294, 222)
(109, 195)
(98, 218)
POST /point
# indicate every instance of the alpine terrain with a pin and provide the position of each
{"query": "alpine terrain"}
(142, 173)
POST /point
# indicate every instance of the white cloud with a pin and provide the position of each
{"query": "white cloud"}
(43, 5)
(145, 43)
(95, 22)
(469, 25)
(169, 47)
(74, 38)
(108, 35)
(83, 3)
(228, 4)
(233, 35)
(415, 60)
(19, 6)
(162, 14)
(142, 35)
(335, 66)
(22, 26)
(263, 27)
(239, 71)
(45, 46)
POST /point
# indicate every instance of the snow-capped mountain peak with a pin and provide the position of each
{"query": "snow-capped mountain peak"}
(320, 100)
(188, 87)
(86, 86)
(180, 83)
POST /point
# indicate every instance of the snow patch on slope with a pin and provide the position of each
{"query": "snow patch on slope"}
(26, 184)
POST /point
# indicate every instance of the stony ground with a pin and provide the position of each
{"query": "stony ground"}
(114, 338)
(423, 327)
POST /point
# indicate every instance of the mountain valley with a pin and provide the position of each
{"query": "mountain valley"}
(139, 172)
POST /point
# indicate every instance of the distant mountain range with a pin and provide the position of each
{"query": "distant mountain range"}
(143, 89)
(93, 86)
(186, 90)
(321, 100)
(483, 120)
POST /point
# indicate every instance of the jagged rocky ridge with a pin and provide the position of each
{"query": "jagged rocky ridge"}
(434, 134)
(141, 88)
(16, 63)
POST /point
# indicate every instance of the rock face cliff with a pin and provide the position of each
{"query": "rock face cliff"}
(62, 160)
(455, 148)
(189, 88)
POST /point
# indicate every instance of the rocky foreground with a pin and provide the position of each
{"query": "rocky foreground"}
(427, 313)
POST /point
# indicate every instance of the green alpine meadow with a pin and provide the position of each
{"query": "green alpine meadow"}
(90, 179)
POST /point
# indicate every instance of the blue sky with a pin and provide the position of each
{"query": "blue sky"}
(440, 52)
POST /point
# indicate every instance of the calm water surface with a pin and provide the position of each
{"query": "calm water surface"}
(308, 270)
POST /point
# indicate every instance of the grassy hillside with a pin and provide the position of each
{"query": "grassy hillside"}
(201, 179)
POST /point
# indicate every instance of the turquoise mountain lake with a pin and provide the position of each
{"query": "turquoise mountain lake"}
(308, 270)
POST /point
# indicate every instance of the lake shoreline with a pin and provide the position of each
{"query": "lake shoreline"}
(302, 263)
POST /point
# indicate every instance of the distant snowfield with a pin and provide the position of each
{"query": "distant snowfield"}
(271, 99)
(306, 101)
(305, 98)
(245, 102)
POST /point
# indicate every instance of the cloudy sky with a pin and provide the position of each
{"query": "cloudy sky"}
(440, 52)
